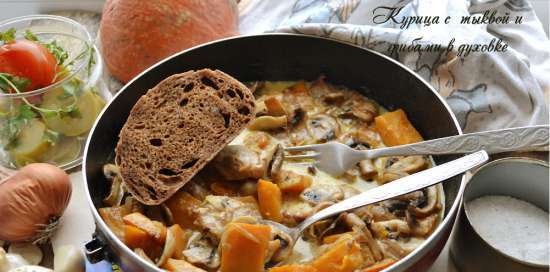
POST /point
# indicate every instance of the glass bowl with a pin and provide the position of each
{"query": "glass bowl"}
(51, 124)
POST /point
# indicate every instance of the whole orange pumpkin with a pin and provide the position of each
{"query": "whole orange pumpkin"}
(138, 33)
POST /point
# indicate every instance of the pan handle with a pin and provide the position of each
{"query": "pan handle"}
(94, 250)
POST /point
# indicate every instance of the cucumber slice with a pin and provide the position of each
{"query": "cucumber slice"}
(30, 144)
(88, 105)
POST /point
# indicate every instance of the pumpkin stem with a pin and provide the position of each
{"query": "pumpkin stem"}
(45, 231)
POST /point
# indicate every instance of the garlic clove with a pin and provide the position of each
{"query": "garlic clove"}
(68, 258)
(31, 268)
(10, 261)
(30, 252)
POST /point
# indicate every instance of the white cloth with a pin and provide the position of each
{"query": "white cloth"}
(485, 90)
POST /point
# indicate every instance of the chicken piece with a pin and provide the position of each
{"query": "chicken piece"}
(238, 162)
(217, 211)
(336, 98)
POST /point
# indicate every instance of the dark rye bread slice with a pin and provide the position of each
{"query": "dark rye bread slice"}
(176, 128)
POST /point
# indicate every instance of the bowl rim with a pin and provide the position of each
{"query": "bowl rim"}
(87, 40)
(446, 220)
(526, 160)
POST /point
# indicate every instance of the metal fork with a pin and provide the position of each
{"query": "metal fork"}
(336, 158)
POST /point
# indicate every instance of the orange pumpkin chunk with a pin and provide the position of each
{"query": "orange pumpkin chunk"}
(180, 266)
(274, 106)
(155, 229)
(344, 255)
(293, 268)
(244, 247)
(136, 238)
(396, 129)
(183, 207)
(299, 88)
(113, 218)
(292, 183)
(270, 200)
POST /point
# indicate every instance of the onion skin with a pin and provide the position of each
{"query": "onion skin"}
(32, 201)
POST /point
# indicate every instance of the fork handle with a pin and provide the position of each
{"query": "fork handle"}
(532, 138)
(401, 186)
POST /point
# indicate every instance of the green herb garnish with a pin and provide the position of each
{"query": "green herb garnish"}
(14, 124)
(8, 35)
(20, 82)
(30, 36)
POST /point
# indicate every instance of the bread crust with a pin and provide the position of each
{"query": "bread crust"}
(176, 128)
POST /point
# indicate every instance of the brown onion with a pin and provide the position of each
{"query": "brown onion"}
(32, 201)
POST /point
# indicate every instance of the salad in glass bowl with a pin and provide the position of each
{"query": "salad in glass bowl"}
(51, 90)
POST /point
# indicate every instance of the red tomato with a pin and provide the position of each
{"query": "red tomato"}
(29, 60)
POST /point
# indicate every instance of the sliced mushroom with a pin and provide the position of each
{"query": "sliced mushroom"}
(110, 171)
(319, 193)
(201, 251)
(323, 128)
(392, 249)
(117, 192)
(276, 162)
(334, 98)
(401, 167)
(326, 227)
(297, 117)
(416, 196)
(367, 169)
(283, 243)
(365, 235)
(361, 110)
(425, 226)
(409, 164)
(351, 175)
(368, 136)
(296, 212)
(390, 229)
(268, 122)
(430, 203)
(375, 212)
